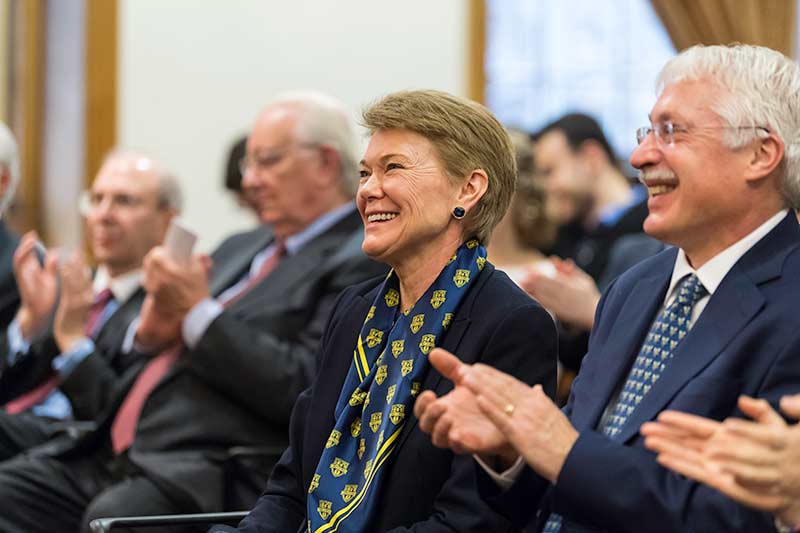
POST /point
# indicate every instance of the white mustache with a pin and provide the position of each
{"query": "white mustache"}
(656, 174)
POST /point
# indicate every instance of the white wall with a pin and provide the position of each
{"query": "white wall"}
(63, 164)
(194, 73)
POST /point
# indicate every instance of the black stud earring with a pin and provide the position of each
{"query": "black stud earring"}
(459, 212)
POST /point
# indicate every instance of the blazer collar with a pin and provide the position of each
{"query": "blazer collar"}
(230, 270)
(626, 337)
(299, 267)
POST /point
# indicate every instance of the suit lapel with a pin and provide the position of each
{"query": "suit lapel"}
(728, 312)
(336, 371)
(637, 315)
(234, 267)
(120, 319)
(298, 267)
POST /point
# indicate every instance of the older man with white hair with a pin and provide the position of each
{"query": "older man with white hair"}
(690, 329)
(227, 352)
(9, 179)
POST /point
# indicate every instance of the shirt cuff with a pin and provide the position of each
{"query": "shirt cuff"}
(505, 479)
(68, 361)
(783, 528)
(130, 336)
(198, 319)
(17, 345)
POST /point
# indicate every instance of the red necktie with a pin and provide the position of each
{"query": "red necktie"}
(39, 394)
(123, 429)
(99, 304)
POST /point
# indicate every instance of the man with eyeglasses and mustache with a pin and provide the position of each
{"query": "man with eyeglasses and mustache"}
(690, 329)
(63, 347)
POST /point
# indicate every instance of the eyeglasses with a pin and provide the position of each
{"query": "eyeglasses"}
(266, 160)
(89, 201)
(665, 131)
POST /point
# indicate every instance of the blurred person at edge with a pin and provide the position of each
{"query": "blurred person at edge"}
(62, 352)
(526, 227)
(9, 179)
(233, 177)
(599, 213)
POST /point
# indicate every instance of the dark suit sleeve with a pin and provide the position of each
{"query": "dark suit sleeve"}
(282, 507)
(92, 385)
(249, 361)
(29, 370)
(9, 295)
(89, 386)
(521, 501)
(523, 345)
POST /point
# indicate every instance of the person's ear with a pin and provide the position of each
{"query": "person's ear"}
(766, 155)
(330, 162)
(472, 190)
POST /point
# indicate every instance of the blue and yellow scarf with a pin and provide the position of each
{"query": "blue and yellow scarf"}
(389, 365)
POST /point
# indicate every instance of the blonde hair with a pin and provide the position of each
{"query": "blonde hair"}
(465, 136)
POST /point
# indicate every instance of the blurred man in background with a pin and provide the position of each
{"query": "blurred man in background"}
(62, 352)
(9, 179)
(600, 213)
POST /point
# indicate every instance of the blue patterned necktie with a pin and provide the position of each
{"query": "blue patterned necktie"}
(666, 332)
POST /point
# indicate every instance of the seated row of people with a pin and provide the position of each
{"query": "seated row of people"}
(223, 345)
(184, 361)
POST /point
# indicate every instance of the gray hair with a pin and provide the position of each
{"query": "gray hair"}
(9, 160)
(763, 91)
(326, 121)
(169, 191)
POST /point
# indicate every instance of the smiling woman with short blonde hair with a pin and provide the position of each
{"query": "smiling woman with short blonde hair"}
(438, 174)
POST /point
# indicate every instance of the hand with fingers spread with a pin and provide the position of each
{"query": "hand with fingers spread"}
(526, 416)
(37, 284)
(754, 462)
(496, 416)
(74, 304)
(571, 294)
(172, 290)
(455, 421)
